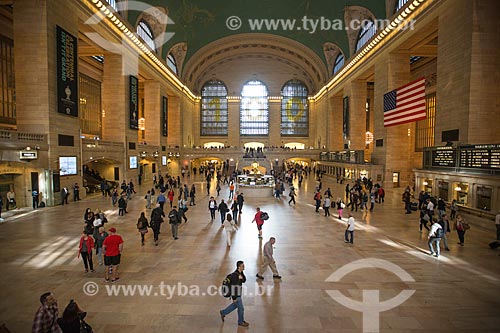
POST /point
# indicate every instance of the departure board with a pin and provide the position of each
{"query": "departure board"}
(480, 156)
(444, 157)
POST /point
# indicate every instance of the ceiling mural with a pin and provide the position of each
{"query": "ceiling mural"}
(311, 23)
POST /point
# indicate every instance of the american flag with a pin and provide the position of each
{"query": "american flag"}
(405, 104)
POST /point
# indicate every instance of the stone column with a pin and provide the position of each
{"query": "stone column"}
(174, 121)
(152, 112)
(275, 124)
(335, 124)
(233, 109)
(356, 90)
(391, 72)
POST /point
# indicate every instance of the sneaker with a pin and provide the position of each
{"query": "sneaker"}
(277, 277)
(92, 271)
(259, 277)
(346, 241)
(176, 238)
(447, 249)
(432, 253)
(244, 324)
(107, 280)
(221, 316)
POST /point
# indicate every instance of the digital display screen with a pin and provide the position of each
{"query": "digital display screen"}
(164, 160)
(133, 162)
(67, 165)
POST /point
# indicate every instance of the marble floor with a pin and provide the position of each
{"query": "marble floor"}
(460, 291)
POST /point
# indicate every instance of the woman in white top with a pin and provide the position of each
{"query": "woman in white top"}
(229, 227)
(326, 205)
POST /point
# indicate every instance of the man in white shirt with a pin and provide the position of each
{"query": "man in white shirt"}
(430, 208)
(349, 230)
(435, 235)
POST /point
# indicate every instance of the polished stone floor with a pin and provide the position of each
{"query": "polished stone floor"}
(460, 291)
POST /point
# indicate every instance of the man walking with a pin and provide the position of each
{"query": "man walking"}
(434, 238)
(349, 230)
(76, 192)
(174, 219)
(268, 260)
(223, 209)
(240, 200)
(156, 221)
(445, 224)
(112, 248)
(237, 279)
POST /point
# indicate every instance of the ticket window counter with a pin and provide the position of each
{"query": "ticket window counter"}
(443, 190)
(461, 192)
(427, 186)
(483, 197)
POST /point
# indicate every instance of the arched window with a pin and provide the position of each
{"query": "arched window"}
(339, 62)
(112, 3)
(254, 109)
(366, 32)
(214, 108)
(294, 109)
(399, 5)
(171, 63)
(145, 33)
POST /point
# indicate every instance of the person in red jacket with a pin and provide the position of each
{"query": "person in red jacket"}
(258, 219)
(85, 249)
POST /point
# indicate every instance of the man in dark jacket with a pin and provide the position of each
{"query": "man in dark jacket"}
(240, 200)
(174, 219)
(237, 279)
(223, 209)
(156, 220)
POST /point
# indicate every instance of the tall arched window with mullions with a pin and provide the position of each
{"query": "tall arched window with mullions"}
(366, 32)
(145, 33)
(254, 109)
(214, 109)
(294, 109)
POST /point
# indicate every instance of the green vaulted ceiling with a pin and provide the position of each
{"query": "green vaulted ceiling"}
(199, 22)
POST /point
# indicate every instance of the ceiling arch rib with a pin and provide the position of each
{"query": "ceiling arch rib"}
(267, 47)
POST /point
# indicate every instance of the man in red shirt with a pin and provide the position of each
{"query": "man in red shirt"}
(258, 219)
(112, 248)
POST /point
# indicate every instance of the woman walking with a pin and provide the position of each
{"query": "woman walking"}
(88, 219)
(170, 196)
(85, 249)
(212, 207)
(292, 196)
(340, 207)
(142, 226)
(461, 226)
(234, 209)
(148, 200)
(229, 227)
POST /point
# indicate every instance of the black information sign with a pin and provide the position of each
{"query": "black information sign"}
(444, 157)
(480, 156)
(164, 113)
(346, 118)
(67, 73)
(134, 103)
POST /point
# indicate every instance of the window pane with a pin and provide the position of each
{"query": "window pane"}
(214, 114)
(339, 62)
(145, 33)
(90, 105)
(171, 63)
(424, 136)
(7, 82)
(365, 34)
(254, 109)
(294, 109)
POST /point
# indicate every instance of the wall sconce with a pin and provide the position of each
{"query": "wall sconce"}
(425, 183)
(143, 154)
(155, 154)
(368, 137)
(458, 188)
(142, 124)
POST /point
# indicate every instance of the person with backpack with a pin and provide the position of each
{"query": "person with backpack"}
(142, 226)
(260, 222)
(435, 236)
(156, 221)
(234, 284)
(122, 206)
(292, 196)
(174, 219)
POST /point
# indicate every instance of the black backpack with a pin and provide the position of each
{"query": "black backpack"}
(226, 286)
(439, 233)
(264, 216)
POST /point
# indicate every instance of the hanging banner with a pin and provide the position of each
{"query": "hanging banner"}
(67, 73)
(134, 102)
(164, 115)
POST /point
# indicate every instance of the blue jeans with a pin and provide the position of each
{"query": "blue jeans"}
(237, 304)
(347, 232)
(433, 240)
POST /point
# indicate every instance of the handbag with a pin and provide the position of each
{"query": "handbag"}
(466, 226)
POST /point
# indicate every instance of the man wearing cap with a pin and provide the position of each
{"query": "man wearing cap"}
(112, 248)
